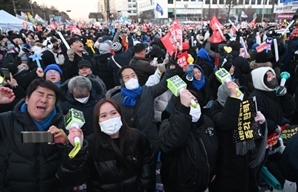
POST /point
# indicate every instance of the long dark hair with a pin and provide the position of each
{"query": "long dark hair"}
(124, 133)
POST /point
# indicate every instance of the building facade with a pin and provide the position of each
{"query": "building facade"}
(185, 10)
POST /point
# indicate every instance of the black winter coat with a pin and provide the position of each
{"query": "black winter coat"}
(28, 167)
(273, 108)
(233, 171)
(103, 71)
(188, 152)
(101, 175)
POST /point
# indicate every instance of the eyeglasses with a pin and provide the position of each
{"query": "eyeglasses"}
(52, 73)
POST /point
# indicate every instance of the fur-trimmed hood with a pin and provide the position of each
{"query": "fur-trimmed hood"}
(113, 91)
(254, 65)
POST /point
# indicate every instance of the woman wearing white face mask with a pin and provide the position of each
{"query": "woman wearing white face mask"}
(114, 158)
(188, 144)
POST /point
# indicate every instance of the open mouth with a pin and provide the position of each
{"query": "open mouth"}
(41, 108)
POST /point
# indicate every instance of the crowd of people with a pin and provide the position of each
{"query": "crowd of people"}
(132, 120)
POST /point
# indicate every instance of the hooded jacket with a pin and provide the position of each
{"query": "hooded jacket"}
(270, 105)
(28, 167)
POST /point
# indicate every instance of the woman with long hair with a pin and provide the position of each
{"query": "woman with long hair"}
(114, 158)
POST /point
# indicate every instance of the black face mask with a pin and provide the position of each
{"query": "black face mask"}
(272, 84)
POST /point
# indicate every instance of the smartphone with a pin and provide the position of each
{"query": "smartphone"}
(154, 61)
(27, 51)
(6, 74)
(37, 137)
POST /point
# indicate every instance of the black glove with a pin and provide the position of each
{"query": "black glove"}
(281, 91)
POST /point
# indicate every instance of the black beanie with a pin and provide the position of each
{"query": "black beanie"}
(12, 68)
(48, 58)
(262, 57)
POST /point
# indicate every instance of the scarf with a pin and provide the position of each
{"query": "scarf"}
(198, 84)
(45, 123)
(58, 83)
(130, 96)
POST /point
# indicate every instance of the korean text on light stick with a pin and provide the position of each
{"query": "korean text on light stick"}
(75, 118)
(224, 76)
(176, 85)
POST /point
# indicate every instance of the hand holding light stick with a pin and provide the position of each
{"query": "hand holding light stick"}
(176, 85)
(75, 118)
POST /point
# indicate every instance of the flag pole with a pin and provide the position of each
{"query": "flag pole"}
(175, 9)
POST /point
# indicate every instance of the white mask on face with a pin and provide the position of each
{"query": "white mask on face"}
(111, 126)
(82, 100)
(195, 113)
(132, 84)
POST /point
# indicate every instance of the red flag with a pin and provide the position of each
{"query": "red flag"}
(176, 35)
(216, 37)
(213, 23)
(182, 60)
(168, 44)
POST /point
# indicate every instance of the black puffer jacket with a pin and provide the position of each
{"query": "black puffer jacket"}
(67, 102)
(27, 167)
(188, 152)
(101, 175)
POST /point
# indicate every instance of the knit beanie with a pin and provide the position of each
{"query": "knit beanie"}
(262, 57)
(104, 48)
(222, 94)
(116, 46)
(53, 67)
